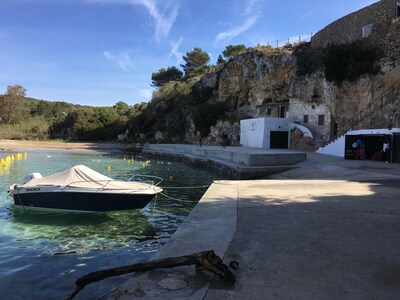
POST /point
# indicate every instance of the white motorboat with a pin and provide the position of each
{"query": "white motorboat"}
(81, 189)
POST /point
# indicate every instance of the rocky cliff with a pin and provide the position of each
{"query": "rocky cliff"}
(264, 83)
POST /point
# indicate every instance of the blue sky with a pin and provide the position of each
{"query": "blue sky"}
(99, 52)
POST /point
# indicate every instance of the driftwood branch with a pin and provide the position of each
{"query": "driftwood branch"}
(206, 260)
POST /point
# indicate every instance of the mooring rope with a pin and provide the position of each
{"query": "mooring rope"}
(176, 199)
(185, 187)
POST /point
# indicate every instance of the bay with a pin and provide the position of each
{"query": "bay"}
(42, 253)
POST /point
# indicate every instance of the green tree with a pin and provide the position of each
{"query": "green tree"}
(196, 62)
(220, 60)
(163, 76)
(350, 61)
(11, 104)
(206, 115)
(121, 107)
(231, 51)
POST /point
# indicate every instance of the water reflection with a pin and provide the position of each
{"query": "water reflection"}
(30, 217)
(43, 253)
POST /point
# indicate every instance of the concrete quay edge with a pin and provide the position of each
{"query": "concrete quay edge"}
(211, 225)
(325, 230)
(232, 162)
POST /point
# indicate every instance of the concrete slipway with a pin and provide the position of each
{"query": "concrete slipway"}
(329, 229)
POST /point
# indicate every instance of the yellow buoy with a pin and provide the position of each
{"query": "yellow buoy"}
(171, 177)
(108, 168)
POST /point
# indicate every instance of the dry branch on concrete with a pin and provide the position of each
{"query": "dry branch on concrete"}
(206, 260)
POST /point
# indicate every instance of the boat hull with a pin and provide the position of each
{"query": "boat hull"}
(82, 202)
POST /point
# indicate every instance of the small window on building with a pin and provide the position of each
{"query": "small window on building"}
(398, 9)
(269, 111)
(305, 119)
(321, 120)
(281, 112)
(367, 30)
(313, 106)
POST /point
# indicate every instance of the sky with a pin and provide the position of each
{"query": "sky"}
(99, 52)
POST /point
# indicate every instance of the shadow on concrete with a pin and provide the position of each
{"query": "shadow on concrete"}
(333, 239)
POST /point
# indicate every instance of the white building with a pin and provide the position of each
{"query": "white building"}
(267, 133)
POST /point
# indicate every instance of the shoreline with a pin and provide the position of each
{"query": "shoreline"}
(26, 145)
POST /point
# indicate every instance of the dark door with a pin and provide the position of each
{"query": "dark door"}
(396, 147)
(279, 140)
(348, 148)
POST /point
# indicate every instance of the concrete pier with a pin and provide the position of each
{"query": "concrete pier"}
(328, 229)
(233, 162)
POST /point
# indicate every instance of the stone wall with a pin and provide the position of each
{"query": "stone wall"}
(385, 28)
(299, 108)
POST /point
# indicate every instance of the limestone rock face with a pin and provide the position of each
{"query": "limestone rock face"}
(253, 78)
(253, 83)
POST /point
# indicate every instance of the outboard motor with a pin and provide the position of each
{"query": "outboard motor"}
(31, 176)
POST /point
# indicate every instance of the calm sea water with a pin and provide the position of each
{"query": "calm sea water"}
(42, 254)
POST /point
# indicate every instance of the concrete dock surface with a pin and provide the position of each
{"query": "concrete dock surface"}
(233, 162)
(329, 229)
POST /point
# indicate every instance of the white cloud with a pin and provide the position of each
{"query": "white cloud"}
(163, 19)
(306, 15)
(123, 59)
(227, 35)
(249, 7)
(251, 16)
(175, 50)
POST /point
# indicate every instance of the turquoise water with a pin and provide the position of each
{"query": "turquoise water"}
(42, 254)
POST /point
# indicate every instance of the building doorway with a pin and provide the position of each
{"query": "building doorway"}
(370, 147)
(279, 140)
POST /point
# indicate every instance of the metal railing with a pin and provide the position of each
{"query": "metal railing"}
(378, 103)
(290, 41)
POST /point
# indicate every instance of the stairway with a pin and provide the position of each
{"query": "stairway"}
(336, 147)
(388, 96)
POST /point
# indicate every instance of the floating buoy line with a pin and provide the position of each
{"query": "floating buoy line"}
(6, 162)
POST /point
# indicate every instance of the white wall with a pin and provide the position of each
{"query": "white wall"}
(257, 132)
(252, 132)
(335, 148)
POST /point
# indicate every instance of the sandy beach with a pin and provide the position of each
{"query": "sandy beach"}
(14, 145)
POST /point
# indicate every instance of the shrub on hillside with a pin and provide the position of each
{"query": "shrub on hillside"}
(32, 129)
(339, 62)
(308, 59)
(206, 115)
(350, 61)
